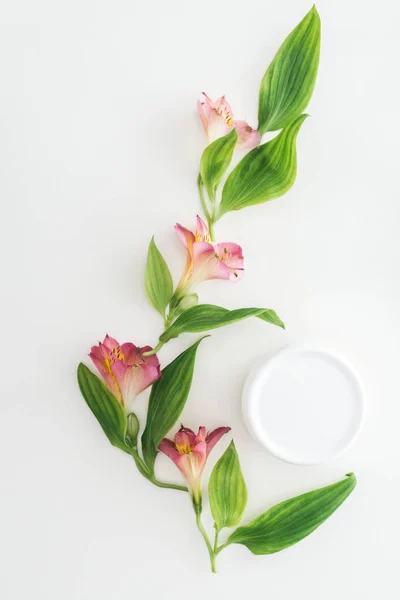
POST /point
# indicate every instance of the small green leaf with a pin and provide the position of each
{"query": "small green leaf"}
(207, 316)
(215, 161)
(289, 81)
(157, 279)
(227, 490)
(167, 399)
(105, 407)
(266, 172)
(289, 522)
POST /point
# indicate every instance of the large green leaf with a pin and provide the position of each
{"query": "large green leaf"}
(266, 172)
(227, 490)
(105, 407)
(157, 279)
(167, 399)
(207, 316)
(215, 160)
(288, 83)
(289, 522)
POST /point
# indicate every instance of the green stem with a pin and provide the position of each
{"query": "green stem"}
(207, 541)
(141, 465)
(218, 550)
(144, 470)
(216, 539)
(155, 350)
(202, 198)
(171, 486)
(210, 216)
(211, 229)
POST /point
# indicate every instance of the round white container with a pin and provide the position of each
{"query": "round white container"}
(305, 405)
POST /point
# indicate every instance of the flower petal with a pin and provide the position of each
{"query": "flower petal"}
(224, 109)
(217, 127)
(168, 448)
(247, 136)
(202, 232)
(186, 237)
(208, 101)
(200, 450)
(149, 360)
(124, 377)
(214, 437)
(98, 357)
(201, 435)
(131, 354)
(206, 264)
(185, 440)
(217, 117)
(106, 374)
(134, 379)
(110, 342)
(232, 256)
(192, 466)
(187, 464)
(98, 362)
(205, 111)
(187, 430)
(146, 374)
(113, 387)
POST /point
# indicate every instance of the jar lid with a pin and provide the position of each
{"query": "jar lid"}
(305, 405)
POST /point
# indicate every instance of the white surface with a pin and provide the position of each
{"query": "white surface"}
(100, 147)
(305, 405)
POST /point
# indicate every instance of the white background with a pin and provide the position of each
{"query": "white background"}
(100, 146)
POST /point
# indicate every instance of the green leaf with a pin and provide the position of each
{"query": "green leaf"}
(227, 490)
(105, 407)
(207, 316)
(157, 279)
(167, 399)
(289, 81)
(215, 161)
(266, 172)
(289, 522)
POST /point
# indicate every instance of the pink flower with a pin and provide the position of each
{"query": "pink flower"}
(190, 452)
(247, 137)
(126, 371)
(206, 260)
(218, 120)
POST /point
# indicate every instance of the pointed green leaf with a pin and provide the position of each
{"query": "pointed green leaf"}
(289, 81)
(107, 410)
(227, 490)
(157, 279)
(215, 161)
(207, 316)
(266, 172)
(289, 522)
(167, 399)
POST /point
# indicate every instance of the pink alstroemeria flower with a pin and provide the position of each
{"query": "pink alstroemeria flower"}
(190, 452)
(126, 371)
(218, 121)
(206, 260)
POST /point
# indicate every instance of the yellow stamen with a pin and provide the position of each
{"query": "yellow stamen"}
(116, 354)
(184, 448)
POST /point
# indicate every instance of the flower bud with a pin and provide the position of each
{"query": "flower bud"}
(186, 302)
(132, 430)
